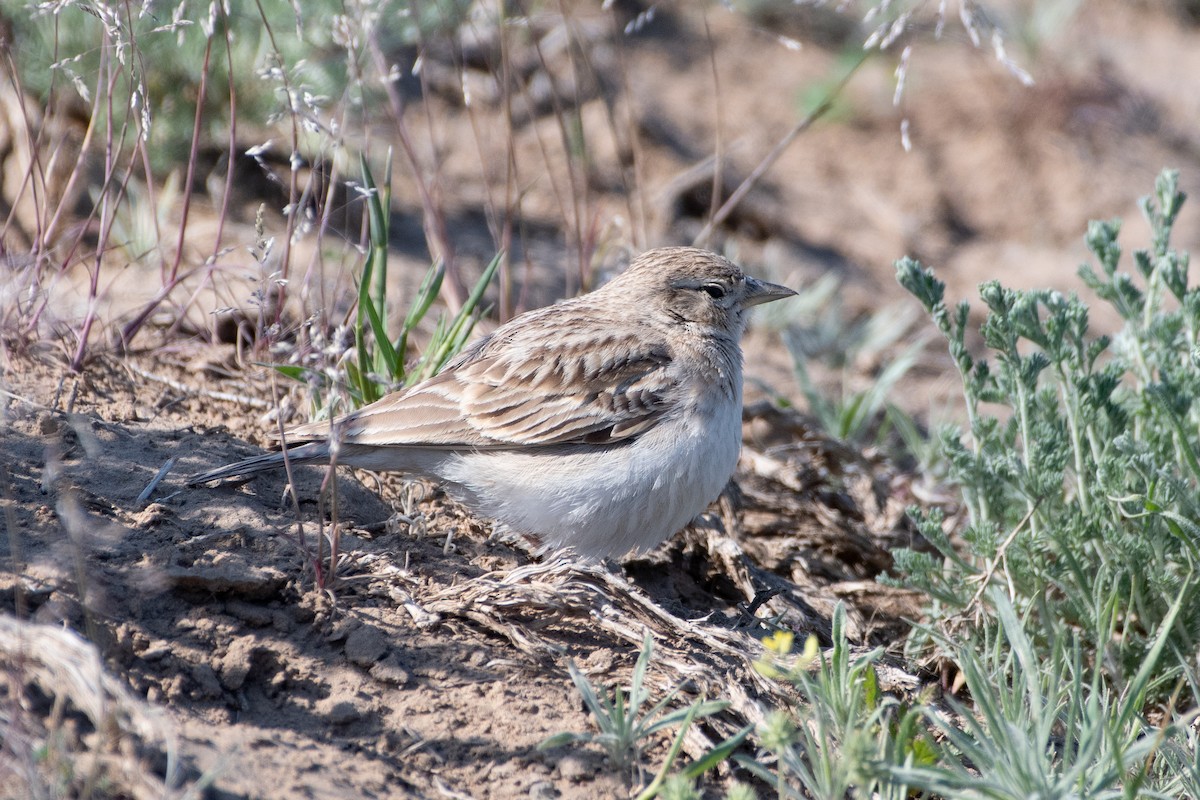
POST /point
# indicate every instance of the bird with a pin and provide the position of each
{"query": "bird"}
(602, 424)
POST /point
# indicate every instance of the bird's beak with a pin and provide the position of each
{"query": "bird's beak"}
(758, 292)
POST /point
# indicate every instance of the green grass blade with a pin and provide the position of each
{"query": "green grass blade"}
(431, 285)
(718, 754)
(377, 227)
(590, 699)
(703, 709)
(291, 371)
(358, 374)
(676, 745)
(636, 693)
(464, 322)
(373, 307)
(1136, 691)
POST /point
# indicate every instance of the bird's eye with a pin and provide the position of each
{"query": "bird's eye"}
(714, 290)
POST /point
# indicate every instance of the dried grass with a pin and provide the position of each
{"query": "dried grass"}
(59, 755)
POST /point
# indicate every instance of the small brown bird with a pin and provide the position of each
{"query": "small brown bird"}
(603, 424)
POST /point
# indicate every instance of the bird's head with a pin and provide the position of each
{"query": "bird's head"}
(696, 286)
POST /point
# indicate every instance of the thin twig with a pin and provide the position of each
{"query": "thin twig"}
(718, 113)
(985, 579)
(133, 326)
(291, 478)
(253, 402)
(153, 484)
(769, 161)
(437, 236)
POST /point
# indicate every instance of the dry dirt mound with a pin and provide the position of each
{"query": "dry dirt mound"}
(434, 663)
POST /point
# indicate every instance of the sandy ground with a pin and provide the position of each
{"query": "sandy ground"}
(434, 661)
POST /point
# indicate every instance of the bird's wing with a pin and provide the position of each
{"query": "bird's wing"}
(523, 389)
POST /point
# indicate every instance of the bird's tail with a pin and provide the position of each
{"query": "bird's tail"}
(313, 452)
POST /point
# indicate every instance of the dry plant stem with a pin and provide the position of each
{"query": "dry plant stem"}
(156, 480)
(287, 468)
(35, 161)
(151, 194)
(44, 234)
(80, 169)
(753, 178)
(635, 197)
(436, 187)
(172, 280)
(985, 580)
(203, 284)
(317, 262)
(500, 222)
(531, 111)
(229, 171)
(43, 244)
(106, 212)
(578, 196)
(559, 200)
(290, 227)
(108, 206)
(141, 151)
(718, 138)
(437, 236)
(512, 198)
(630, 187)
(504, 602)
(160, 296)
(320, 577)
(327, 578)
(232, 155)
(448, 793)
(187, 389)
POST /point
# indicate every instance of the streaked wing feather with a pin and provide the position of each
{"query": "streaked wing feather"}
(427, 415)
(522, 391)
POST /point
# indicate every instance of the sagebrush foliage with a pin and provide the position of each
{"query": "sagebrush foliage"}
(1079, 469)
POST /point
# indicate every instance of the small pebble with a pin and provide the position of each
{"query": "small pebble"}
(204, 675)
(543, 790)
(389, 671)
(342, 712)
(365, 646)
(573, 768)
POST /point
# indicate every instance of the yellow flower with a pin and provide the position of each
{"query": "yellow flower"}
(779, 642)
